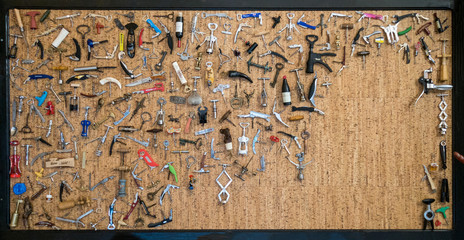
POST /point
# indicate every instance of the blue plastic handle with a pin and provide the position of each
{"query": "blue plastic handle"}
(255, 15)
(42, 98)
(39, 76)
(85, 127)
(305, 25)
(19, 188)
(157, 30)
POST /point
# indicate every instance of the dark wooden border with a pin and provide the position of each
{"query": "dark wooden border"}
(458, 114)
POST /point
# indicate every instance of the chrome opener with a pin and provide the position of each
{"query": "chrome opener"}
(243, 140)
(223, 187)
(290, 26)
(211, 38)
(277, 114)
(300, 166)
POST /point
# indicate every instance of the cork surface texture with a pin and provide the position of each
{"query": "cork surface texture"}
(367, 151)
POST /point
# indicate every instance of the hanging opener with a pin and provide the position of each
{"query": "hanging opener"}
(240, 75)
(102, 182)
(133, 205)
(239, 29)
(290, 27)
(316, 58)
(152, 25)
(416, 15)
(277, 114)
(300, 166)
(251, 15)
(304, 24)
(141, 41)
(115, 140)
(111, 225)
(91, 44)
(428, 85)
(165, 220)
(309, 109)
(243, 140)
(443, 154)
(125, 114)
(392, 33)
(168, 165)
(355, 40)
(224, 187)
(147, 212)
(35, 77)
(312, 90)
(212, 153)
(155, 77)
(168, 36)
(130, 73)
(203, 114)
(428, 214)
(254, 115)
(78, 220)
(295, 138)
(80, 77)
(135, 176)
(211, 39)
(157, 87)
(130, 42)
(166, 190)
(255, 140)
(147, 158)
(369, 16)
(195, 30)
(336, 15)
(160, 113)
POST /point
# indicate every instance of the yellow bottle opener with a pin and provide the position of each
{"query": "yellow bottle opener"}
(121, 46)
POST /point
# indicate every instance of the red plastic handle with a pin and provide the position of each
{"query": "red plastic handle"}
(274, 139)
(147, 158)
(158, 87)
(140, 37)
(15, 172)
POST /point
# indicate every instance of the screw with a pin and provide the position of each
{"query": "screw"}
(214, 107)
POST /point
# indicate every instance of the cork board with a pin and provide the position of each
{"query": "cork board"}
(367, 149)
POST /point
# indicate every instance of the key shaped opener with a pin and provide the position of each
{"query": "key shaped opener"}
(243, 140)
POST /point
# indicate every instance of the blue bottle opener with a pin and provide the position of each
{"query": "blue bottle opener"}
(85, 127)
(152, 24)
(304, 24)
(251, 15)
(85, 123)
